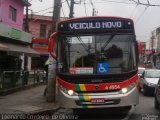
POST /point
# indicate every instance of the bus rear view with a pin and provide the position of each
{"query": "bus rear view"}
(97, 62)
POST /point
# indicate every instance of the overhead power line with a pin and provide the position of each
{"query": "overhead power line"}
(68, 3)
(114, 1)
(95, 11)
(43, 10)
(141, 14)
(63, 12)
(133, 11)
(146, 4)
(139, 2)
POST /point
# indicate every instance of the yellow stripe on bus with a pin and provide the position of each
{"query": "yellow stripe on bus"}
(82, 87)
(85, 95)
(86, 98)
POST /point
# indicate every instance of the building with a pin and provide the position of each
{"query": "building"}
(153, 47)
(15, 50)
(141, 49)
(155, 41)
(39, 27)
(13, 38)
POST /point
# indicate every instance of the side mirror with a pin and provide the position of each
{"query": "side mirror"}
(51, 47)
(51, 42)
(142, 76)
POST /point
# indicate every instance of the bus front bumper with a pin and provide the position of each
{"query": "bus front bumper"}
(103, 100)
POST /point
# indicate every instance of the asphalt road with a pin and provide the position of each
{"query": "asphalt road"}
(144, 111)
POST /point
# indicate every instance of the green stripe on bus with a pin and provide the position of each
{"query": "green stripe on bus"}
(80, 95)
(77, 88)
(81, 99)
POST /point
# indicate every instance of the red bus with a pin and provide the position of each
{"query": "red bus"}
(97, 62)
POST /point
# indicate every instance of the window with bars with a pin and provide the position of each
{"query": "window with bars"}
(43, 28)
(12, 13)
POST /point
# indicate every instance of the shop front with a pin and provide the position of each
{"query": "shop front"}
(15, 64)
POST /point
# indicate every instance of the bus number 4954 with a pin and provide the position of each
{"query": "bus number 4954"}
(112, 87)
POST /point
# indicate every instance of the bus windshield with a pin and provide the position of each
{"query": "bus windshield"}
(97, 54)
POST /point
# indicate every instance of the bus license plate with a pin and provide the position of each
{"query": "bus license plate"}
(98, 100)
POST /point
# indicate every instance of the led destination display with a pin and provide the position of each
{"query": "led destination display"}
(96, 25)
(89, 24)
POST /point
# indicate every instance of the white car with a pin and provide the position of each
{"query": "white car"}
(149, 80)
(157, 96)
(140, 70)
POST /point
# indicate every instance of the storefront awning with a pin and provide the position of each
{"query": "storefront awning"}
(3, 47)
(20, 49)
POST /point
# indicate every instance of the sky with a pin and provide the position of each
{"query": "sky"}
(146, 18)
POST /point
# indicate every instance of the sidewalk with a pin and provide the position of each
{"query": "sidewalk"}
(29, 101)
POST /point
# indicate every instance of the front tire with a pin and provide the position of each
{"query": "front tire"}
(145, 91)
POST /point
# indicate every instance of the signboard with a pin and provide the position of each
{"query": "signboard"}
(81, 70)
(95, 25)
(83, 39)
(15, 34)
(40, 45)
(102, 68)
(89, 24)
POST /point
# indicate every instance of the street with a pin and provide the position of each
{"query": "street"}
(144, 111)
(56, 55)
(145, 107)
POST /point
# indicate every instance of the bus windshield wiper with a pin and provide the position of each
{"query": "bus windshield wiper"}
(108, 41)
(82, 43)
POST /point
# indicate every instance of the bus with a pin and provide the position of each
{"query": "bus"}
(97, 62)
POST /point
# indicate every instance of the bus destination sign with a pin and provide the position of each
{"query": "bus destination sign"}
(95, 25)
(89, 25)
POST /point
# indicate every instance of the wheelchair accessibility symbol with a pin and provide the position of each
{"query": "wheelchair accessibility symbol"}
(102, 68)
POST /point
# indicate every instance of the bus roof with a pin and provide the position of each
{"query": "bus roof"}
(95, 24)
(93, 17)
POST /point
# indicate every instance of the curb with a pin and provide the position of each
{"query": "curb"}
(17, 89)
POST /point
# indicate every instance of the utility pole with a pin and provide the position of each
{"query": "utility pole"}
(71, 9)
(152, 40)
(153, 51)
(51, 84)
(93, 12)
(26, 26)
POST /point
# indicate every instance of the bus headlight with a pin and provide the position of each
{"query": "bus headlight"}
(128, 88)
(70, 92)
(67, 91)
(124, 90)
